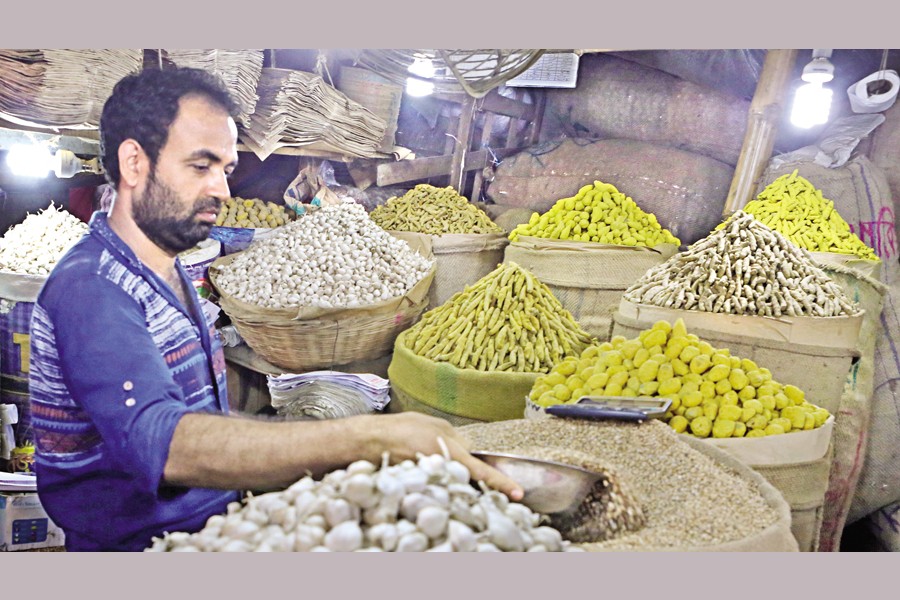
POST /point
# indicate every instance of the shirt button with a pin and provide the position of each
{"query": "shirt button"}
(130, 402)
(127, 386)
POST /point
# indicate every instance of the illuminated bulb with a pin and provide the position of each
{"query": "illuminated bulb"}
(30, 160)
(423, 67)
(812, 104)
(36, 160)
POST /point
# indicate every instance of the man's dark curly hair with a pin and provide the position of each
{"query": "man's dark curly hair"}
(144, 105)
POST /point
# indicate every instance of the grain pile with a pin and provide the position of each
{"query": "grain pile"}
(610, 508)
(688, 499)
(744, 268)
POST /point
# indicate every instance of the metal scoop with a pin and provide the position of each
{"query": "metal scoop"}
(551, 488)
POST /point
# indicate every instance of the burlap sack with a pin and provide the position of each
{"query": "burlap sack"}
(866, 467)
(587, 278)
(686, 191)
(468, 393)
(461, 259)
(616, 98)
(812, 353)
(884, 151)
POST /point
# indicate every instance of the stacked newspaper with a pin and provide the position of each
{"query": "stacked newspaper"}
(328, 394)
(296, 109)
(239, 69)
(61, 88)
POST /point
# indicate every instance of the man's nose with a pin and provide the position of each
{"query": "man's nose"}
(219, 187)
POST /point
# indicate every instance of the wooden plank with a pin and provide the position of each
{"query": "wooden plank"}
(435, 166)
(534, 130)
(762, 124)
(462, 142)
(508, 107)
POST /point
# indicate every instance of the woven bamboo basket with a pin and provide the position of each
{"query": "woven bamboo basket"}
(325, 343)
(310, 338)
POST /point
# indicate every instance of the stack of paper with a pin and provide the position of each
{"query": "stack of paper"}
(239, 69)
(299, 109)
(61, 88)
(328, 394)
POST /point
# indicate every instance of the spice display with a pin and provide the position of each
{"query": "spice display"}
(34, 246)
(597, 213)
(433, 210)
(426, 505)
(334, 257)
(687, 498)
(795, 208)
(253, 213)
(507, 321)
(713, 393)
(743, 268)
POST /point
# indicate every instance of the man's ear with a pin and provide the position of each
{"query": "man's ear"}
(133, 162)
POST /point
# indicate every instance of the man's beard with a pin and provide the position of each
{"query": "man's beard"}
(153, 213)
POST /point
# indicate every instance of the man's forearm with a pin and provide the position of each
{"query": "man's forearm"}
(217, 451)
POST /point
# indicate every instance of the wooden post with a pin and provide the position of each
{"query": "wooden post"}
(762, 123)
(462, 143)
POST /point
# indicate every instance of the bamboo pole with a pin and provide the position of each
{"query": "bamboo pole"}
(762, 124)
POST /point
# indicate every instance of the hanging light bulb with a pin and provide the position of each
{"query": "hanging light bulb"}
(812, 101)
(30, 160)
(37, 160)
(423, 67)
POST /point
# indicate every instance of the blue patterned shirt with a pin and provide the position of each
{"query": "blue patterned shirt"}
(116, 360)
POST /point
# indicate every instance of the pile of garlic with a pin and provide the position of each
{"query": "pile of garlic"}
(34, 246)
(334, 257)
(426, 505)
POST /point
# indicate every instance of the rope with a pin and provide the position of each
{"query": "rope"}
(322, 67)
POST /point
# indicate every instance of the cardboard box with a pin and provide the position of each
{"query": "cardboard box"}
(24, 525)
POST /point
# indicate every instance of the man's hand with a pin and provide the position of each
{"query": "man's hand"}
(403, 435)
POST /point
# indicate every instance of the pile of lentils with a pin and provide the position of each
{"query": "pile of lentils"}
(334, 257)
(743, 268)
(687, 499)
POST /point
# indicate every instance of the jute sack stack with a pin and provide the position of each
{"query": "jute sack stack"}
(686, 191)
(311, 338)
(617, 98)
(587, 278)
(461, 396)
(865, 474)
(461, 259)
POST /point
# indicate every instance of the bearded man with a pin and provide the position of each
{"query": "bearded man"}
(127, 374)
